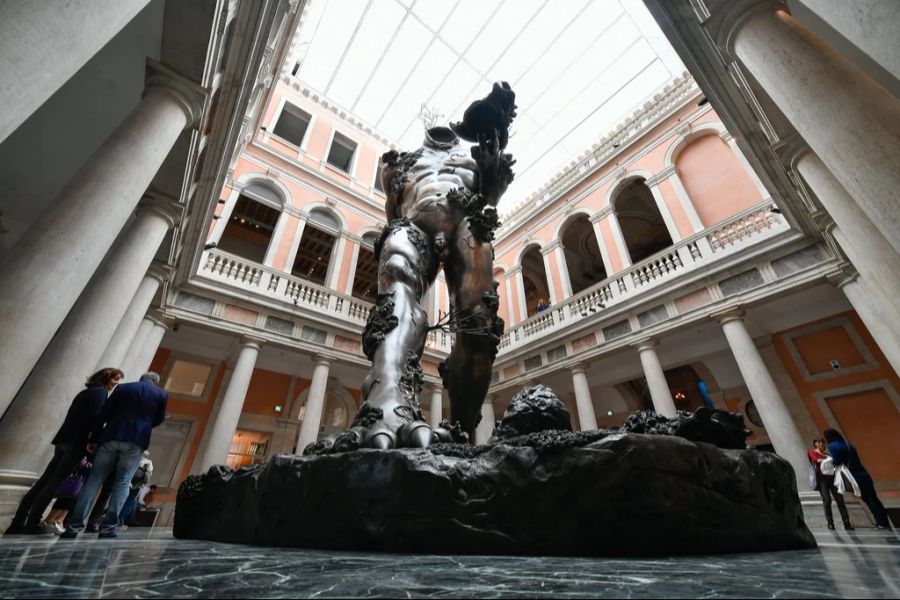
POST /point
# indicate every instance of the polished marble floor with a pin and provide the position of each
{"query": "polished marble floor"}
(143, 564)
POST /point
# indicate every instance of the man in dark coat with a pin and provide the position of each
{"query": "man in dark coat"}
(128, 417)
(69, 449)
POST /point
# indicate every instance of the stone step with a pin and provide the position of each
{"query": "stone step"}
(814, 511)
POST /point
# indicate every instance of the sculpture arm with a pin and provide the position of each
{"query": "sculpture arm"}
(494, 167)
(393, 182)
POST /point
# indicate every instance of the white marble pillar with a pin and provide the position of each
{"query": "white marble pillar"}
(847, 119)
(564, 277)
(121, 341)
(878, 313)
(355, 244)
(41, 404)
(587, 419)
(868, 250)
(488, 420)
(656, 378)
(437, 405)
(555, 297)
(773, 411)
(315, 404)
(871, 25)
(337, 262)
(225, 423)
(144, 355)
(604, 251)
(136, 345)
(519, 283)
(295, 242)
(55, 259)
(44, 43)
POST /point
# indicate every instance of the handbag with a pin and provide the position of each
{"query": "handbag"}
(71, 486)
(813, 478)
(827, 466)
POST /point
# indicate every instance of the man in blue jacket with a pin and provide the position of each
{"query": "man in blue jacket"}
(128, 417)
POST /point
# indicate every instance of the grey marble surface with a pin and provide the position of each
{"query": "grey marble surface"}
(141, 564)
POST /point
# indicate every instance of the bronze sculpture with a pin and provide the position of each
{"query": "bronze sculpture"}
(441, 213)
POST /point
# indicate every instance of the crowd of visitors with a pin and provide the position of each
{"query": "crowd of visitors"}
(100, 464)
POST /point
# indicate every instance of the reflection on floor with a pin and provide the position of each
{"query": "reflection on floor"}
(143, 564)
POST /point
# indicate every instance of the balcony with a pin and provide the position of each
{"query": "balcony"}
(696, 252)
(289, 293)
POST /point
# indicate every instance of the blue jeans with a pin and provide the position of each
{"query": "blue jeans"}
(121, 458)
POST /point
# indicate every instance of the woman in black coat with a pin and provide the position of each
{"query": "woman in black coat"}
(69, 443)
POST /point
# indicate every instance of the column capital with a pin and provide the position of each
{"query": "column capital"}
(791, 149)
(845, 277)
(599, 216)
(190, 95)
(645, 344)
(517, 270)
(158, 317)
(726, 315)
(159, 271)
(253, 341)
(321, 359)
(167, 208)
(724, 24)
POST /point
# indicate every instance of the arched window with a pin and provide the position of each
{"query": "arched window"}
(715, 180)
(365, 280)
(583, 259)
(535, 279)
(642, 226)
(317, 246)
(252, 222)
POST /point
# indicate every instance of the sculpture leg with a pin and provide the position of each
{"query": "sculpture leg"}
(474, 303)
(394, 340)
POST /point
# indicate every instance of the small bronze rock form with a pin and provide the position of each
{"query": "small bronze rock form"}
(441, 213)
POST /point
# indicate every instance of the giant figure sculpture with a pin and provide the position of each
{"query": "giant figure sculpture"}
(441, 212)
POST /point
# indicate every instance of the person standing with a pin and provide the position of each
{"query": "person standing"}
(69, 444)
(139, 480)
(843, 453)
(825, 485)
(129, 416)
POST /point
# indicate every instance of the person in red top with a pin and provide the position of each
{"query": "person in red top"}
(825, 484)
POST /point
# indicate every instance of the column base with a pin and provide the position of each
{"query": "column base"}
(10, 496)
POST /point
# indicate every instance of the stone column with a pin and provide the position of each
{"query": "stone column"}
(57, 256)
(877, 312)
(656, 378)
(295, 241)
(519, 282)
(355, 244)
(684, 199)
(868, 250)
(121, 341)
(137, 344)
(44, 43)
(555, 296)
(587, 419)
(315, 404)
(488, 420)
(847, 119)
(771, 406)
(564, 277)
(871, 26)
(337, 262)
(78, 345)
(604, 251)
(437, 405)
(143, 357)
(226, 420)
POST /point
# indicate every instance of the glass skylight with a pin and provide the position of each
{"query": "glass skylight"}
(578, 68)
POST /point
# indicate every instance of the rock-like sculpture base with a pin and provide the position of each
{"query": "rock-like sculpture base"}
(546, 493)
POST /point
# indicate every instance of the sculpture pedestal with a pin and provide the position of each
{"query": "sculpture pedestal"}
(547, 493)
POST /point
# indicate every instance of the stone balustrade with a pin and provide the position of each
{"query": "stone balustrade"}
(700, 250)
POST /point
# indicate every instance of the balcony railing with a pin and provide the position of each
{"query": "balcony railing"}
(247, 275)
(701, 249)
